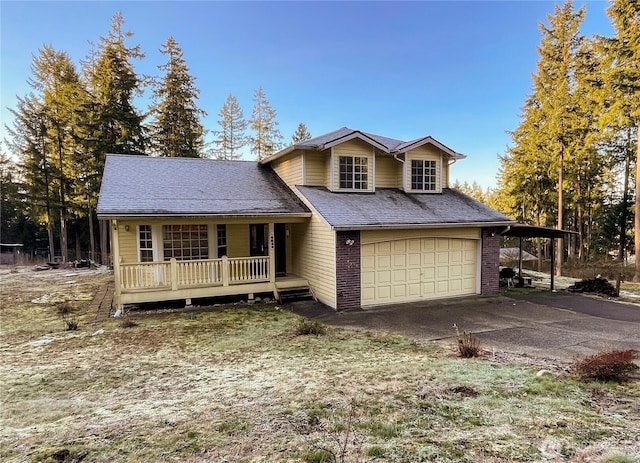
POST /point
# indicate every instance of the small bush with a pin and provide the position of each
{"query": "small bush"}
(319, 456)
(468, 345)
(375, 452)
(615, 365)
(70, 323)
(305, 327)
(63, 309)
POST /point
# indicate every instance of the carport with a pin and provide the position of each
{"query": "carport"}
(521, 230)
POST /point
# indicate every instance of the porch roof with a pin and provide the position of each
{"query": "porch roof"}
(152, 186)
(391, 207)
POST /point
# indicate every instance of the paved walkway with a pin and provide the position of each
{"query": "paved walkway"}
(501, 323)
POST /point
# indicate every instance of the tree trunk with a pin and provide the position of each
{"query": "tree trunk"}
(560, 245)
(636, 234)
(104, 238)
(92, 239)
(622, 249)
(52, 245)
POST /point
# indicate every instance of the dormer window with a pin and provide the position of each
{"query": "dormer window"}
(424, 175)
(354, 173)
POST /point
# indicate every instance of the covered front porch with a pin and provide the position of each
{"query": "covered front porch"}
(191, 279)
(184, 259)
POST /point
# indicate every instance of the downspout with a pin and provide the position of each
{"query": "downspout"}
(404, 172)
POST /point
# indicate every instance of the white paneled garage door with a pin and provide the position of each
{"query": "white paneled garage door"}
(418, 268)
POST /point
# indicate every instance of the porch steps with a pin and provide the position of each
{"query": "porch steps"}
(295, 294)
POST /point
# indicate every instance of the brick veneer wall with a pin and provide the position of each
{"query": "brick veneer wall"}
(490, 267)
(348, 270)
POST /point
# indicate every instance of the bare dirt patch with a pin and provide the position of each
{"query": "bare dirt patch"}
(238, 384)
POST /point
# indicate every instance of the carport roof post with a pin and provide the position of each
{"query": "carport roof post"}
(530, 231)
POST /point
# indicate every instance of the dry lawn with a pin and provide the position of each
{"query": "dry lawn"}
(237, 384)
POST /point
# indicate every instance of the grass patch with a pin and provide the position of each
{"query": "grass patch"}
(234, 384)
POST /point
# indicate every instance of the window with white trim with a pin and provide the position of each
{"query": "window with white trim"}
(354, 172)
(222, 240)
(185, 242)
(145, 241)
(424, 175)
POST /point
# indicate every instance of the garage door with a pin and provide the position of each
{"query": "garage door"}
(418, 268)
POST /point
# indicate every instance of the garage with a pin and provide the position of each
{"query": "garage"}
(410, 269)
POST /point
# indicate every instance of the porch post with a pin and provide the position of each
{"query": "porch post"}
(115, 250)
(272, 252)
(174, 273)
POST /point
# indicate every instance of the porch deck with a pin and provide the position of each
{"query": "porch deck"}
(192, 279)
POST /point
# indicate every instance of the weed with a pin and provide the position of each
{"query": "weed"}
(468, 345)
(619, 458)
(385, 430)
(126, 322)
(70, 323)
(319, 456)
(63, 308)
(615, 365)
(306, 327)
(375, 452)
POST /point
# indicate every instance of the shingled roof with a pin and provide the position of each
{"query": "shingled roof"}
(390, 208)
(385, 144)
(151, 186)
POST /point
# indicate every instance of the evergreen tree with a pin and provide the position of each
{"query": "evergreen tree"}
(622, 84)
(30, 142)
(231, 137)
(176, 131)
(301, 134)
(266, 138)
(111, 123)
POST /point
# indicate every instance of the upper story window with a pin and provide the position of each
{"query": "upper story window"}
(146, 243)
(424, 175)
(185, 242)
(354, 172)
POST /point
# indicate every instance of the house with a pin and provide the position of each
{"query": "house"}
(359, 219)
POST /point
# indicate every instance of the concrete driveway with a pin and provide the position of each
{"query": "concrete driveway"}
(519, 326)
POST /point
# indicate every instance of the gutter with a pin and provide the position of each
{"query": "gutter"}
(419, 226)
(197, 216)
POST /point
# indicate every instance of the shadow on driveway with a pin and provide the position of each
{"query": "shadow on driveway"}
(526, 327)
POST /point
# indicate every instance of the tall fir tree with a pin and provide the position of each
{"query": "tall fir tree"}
(176, 130)
(301, 134)
(622, 84)
(232, 134)
(266, 138)
(111, 122)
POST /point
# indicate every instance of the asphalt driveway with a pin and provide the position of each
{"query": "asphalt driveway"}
(546, 327)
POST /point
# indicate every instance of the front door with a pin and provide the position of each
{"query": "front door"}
(258, 239)
(281, 249)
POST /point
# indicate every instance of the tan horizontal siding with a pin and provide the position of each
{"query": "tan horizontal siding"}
(238, 240)
(316, 166)
(388, 172)
(289, 169)
(313, 248)
(128, 241)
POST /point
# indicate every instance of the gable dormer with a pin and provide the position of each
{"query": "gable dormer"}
(352, 161)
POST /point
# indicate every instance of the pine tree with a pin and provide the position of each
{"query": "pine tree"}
(176, 131)
(232, 134)
(301, 134)
(267, 138)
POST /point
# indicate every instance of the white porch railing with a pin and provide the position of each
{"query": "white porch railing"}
(175, 274)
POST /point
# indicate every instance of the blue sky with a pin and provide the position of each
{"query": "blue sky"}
(458, 71)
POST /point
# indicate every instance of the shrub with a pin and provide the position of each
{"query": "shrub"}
(305, 327)
(70, 323)
(615, 365)
(468, 345)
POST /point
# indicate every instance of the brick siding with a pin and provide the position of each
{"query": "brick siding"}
(348, 270)
(490, 267)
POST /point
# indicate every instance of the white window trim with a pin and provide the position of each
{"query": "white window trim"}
(409, 175)
(369, 180)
